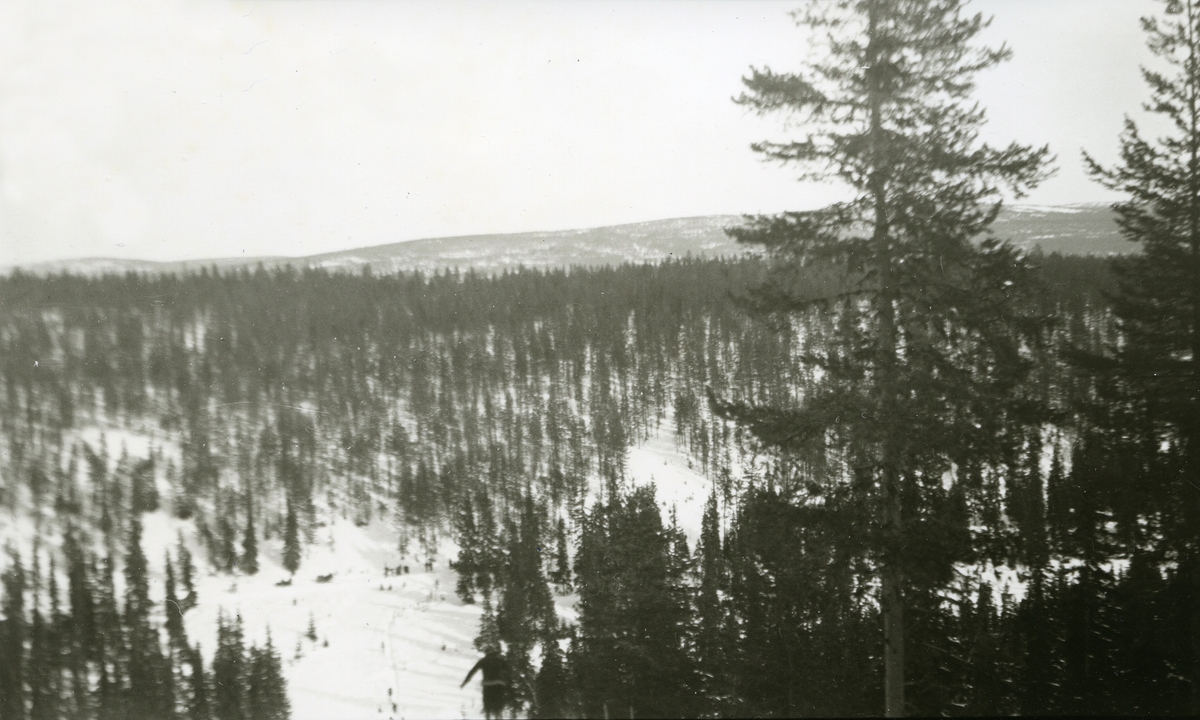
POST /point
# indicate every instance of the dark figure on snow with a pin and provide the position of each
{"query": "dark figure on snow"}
(495, 683)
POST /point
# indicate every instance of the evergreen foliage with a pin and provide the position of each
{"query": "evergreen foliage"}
(552, 682)
(198, 699)
(187, 572)
(92, 660)
(634, 615)
(291, 541)
(805, 630)
(561, 575)
(487, 406)
(713, 640)
(13, 630)
(265, 696)
(467, 564)
(919, 371)
(249, 559)
(1149, 377)
(229, 671)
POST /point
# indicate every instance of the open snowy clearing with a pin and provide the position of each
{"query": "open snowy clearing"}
(394, 647)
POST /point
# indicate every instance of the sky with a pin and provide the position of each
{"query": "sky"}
(181, 129)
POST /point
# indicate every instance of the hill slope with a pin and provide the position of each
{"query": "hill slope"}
(1075, 230)
(1066, 229)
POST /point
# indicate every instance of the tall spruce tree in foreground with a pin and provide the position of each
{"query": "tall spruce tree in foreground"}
(1158, 303)
(926, 346)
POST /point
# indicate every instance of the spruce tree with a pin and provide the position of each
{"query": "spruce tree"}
(187, 572)
(466, 565)
(311, 631)
(137, 584)
(488, 639)
(1157, 357)
(225, 556)
(41, 669)
(926, 348)
(249, 561)
(174, 612)
(634, 612)
(151, 688)
(526, 606)
(229, 671)
(561, 576)
(150, 691)
(198, 695)
(802, 634)
(711, 631)
(552, 682)
(13, 631)
(291, 541)
(81, 629)
(143, 488)
(110, 650)
(266, 695)
(55, 655)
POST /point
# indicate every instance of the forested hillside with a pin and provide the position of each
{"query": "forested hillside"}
(499, 411)
(904, 447)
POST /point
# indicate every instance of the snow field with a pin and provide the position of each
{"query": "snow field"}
(659, 462)
(408, 634)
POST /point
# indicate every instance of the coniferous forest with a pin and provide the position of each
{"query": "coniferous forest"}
(945, 477)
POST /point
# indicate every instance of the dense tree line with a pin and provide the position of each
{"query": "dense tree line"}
(424, 400)
(406, 387)
(100, 656)
(490, 424)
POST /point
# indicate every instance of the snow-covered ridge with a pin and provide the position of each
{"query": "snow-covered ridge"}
(1052, 209)
(1072, 229)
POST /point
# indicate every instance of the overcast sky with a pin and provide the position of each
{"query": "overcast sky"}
(164, 129)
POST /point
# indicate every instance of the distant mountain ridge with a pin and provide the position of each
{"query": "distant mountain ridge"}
(1074, 230)
(1088, 229)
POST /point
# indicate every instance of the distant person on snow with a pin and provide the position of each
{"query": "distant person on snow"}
(495, 683)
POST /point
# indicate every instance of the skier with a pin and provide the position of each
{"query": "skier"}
(495, 683)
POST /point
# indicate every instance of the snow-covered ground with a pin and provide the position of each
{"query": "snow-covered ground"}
(387, 646)
(409, 634)
(677, 482)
